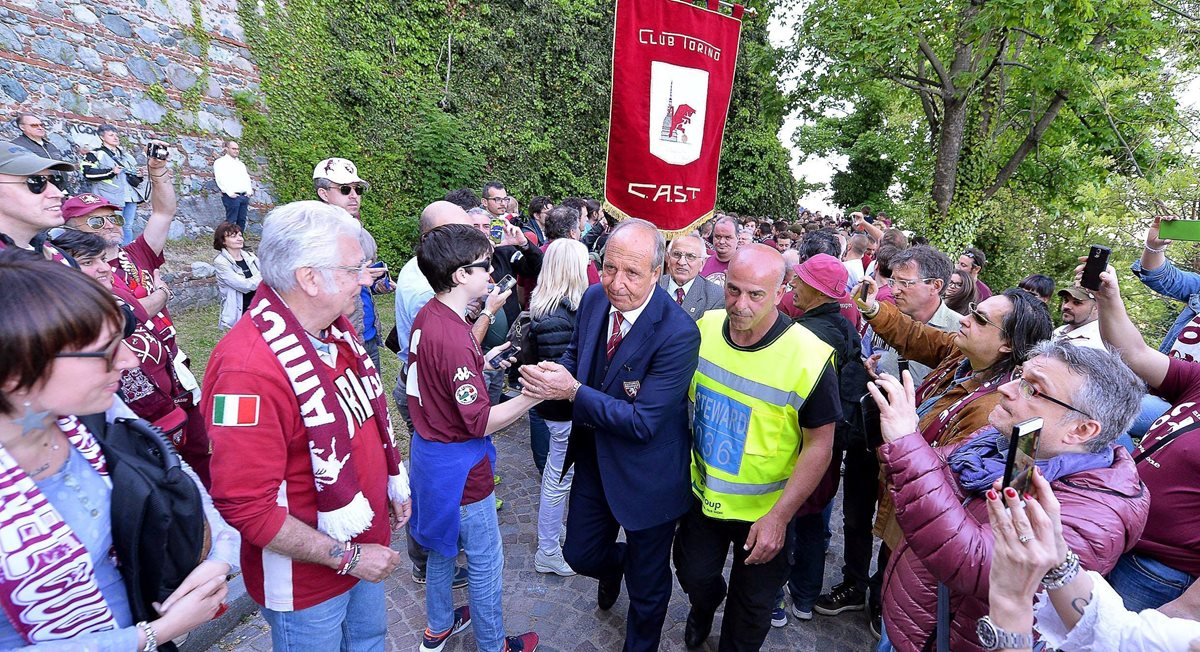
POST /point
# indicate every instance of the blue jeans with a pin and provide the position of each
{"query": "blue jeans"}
(1153, 407)
(129, 213)
(808, 567)
(355, 621)
(1144, 583)
(539, 440)
(479, 537)
(235, 209)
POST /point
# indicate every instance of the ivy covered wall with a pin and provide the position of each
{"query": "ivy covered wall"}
(431, 95)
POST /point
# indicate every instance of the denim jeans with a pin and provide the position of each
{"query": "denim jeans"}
(355, 621)
(235, 209)
(1153, 407)
(554, 490)
(885, 644)
(808, 568)
(1144, 583)
(539, 439)
(129, 214)
(479, 536)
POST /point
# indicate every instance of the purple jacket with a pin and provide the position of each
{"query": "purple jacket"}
(1103, 513)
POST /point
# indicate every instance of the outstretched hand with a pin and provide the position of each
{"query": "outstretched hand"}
(898, 410)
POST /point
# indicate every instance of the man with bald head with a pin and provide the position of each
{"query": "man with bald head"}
(629, 437)
(766, 404)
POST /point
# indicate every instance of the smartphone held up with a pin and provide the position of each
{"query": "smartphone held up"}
(1022, 453)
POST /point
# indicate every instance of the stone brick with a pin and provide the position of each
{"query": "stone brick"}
(9, 40)
(145, 71)
(117, 25)
(13, 88)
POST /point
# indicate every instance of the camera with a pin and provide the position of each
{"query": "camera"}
(158, 151)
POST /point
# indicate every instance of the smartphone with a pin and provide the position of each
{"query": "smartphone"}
(901, 367)
(871, 427)
(507, 283)
(862, 294)
(1097, 261)
(1022, 451)
(507, 354)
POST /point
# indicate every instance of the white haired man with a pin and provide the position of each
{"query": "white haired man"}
(303, 462)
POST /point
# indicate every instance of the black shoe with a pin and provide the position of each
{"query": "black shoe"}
(697, 629)
(843, 597)
(875, 611)
(607, 593)
(460, 577)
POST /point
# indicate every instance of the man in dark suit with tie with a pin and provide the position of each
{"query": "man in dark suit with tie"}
(682, 280)
(630, 441)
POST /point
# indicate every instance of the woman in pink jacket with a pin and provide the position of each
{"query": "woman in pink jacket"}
(1086, 398)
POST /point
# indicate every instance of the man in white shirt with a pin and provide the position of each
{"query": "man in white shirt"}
(1081, 325)
(855, 250)
(696, 295)
(234, 182)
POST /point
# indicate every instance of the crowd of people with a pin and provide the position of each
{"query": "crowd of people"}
(691, 404)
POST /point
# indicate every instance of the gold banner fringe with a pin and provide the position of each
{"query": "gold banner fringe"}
(668, 234)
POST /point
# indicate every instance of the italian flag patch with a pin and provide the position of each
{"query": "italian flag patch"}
(235, 410)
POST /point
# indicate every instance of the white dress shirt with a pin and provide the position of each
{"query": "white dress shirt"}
(629, 316)
(231, 176)
(672, 286)
(1086, 335)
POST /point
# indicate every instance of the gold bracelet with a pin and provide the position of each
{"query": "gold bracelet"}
(575, 390)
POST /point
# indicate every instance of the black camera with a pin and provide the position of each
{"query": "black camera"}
(158, 151)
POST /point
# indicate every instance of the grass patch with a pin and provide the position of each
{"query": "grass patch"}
(198, 335)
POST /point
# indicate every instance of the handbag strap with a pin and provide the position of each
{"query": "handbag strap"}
(1164, 441)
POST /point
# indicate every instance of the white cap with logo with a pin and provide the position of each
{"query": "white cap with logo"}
(337, 170)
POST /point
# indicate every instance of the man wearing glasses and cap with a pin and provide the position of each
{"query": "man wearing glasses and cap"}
(30, 198)
(1081, 318)
(336, 182)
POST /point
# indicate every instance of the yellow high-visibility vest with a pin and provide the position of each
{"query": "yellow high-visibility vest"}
(745, 430)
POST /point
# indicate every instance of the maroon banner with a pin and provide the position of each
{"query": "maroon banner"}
(673, 66)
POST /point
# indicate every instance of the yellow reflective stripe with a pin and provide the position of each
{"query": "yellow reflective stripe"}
(742, 489)
(751, 388)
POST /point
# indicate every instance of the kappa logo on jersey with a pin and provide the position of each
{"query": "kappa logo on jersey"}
(462, 374)
(466, 394)
(677, 131)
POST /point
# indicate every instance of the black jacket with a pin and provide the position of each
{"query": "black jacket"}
(828, 323)
(516, 261)
(550, 337)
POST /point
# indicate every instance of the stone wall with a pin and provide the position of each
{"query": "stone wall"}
(153, 68)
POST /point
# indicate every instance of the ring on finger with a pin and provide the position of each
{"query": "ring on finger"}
(1025, 538)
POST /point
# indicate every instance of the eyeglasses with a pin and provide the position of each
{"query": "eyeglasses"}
(357, 270)
(679, 255)
(97, 221)
(904, 282)
(37, 183)
(982, 319)
(109, 354)
(358, 188)
(954, 284)
(1028, 391)
(485, 265)
(33, 125)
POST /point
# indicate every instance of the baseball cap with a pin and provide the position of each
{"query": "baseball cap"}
(1077, 293)
(80, 205)
(19, 161)
(825, 274)
(337, 170)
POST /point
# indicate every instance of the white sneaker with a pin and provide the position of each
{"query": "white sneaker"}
(554, 563)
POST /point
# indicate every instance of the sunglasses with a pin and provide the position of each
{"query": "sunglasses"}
(37, 183)
(1028, 391)
(109, 354)
(97, 221)
(357, 188)
(485, 265)
(982, 319)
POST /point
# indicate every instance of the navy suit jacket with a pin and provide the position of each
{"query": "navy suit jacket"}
(631, 413)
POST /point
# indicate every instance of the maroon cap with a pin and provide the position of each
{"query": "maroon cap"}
(81, 205)
(825, 274)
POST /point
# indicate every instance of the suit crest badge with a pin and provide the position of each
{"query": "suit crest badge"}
(632, 387)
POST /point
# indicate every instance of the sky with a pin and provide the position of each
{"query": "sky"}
(780, 29)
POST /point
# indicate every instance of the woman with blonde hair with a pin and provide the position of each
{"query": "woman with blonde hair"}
(552, 307)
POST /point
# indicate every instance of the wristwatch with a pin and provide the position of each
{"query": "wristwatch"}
(994, 638)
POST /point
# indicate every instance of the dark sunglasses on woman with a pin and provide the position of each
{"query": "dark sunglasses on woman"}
(37, 182)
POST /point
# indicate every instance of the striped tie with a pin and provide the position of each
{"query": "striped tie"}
(614, 340)
(679, 296)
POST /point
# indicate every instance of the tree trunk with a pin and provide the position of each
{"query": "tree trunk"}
(950, 143)
(1031, 140)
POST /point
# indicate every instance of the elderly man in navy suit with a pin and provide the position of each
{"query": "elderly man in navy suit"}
(682, 280)
(630, 442)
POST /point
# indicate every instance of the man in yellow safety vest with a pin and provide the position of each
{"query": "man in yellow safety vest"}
(766, 403)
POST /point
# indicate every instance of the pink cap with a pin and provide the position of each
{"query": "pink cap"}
(826, 274)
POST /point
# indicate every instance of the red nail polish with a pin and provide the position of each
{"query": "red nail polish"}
(1010, 492)
(991, 494)
(1026, 497)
